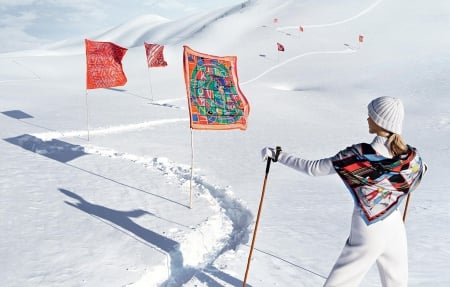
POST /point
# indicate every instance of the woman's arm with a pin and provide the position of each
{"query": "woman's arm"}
(310, 167)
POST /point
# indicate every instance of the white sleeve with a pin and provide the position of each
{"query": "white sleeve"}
(310, 167)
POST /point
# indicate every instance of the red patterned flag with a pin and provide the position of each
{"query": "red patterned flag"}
(301, 28)
(155, 56)
(215, 100)
(280, 47)
(361, 38)
(104, 65)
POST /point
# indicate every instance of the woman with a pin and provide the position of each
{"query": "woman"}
(378, 175)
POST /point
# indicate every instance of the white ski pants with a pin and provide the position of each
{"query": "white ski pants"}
(383, 242)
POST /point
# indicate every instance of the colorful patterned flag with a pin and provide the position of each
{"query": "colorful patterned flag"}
(214, 98)
(280, 47)
(155, 56)
(104, 65)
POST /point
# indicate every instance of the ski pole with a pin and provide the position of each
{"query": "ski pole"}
(406, 207)
(269, 160)
(424, 171)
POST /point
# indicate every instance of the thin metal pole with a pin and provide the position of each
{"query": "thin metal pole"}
(150, 83)
(87, 115)
(192, 168)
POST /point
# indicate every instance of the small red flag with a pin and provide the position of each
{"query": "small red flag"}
(300, 28)
(275, 20)
(280, 47)
(361, 38)
(104, 65)
(155, 56)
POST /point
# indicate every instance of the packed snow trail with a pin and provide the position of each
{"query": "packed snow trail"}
(233, 217)
(346, 51)
(105, 131)
(226, 229)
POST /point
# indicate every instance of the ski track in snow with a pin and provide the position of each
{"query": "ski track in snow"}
(346, 51)
(104, 131)
(224, 230)
(363, 12)
(232, 216)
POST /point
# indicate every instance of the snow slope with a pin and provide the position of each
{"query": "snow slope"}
(114, 210)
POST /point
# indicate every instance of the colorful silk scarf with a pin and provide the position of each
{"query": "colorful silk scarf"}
(378, 184)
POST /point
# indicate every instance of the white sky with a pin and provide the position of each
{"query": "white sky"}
(27, 24)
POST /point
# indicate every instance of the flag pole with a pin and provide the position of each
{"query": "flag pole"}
(150, 83)
(87, 115)
(269, 160)
(192, 168)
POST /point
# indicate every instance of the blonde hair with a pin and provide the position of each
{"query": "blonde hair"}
(397, 145)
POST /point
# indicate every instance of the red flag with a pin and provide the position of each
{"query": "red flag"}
(104, 65)
(215, 100)
(361, 38)
(280, 47)
(275, 20)
(155, 56)
(301, 28)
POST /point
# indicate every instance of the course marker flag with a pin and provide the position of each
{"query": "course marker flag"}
(104, 65)
(214, 98)
(155, 56)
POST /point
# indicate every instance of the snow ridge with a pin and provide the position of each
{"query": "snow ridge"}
(104, 131)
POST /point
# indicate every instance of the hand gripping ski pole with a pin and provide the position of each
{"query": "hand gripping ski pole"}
(269, 160)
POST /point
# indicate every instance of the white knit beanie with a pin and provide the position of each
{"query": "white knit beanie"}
(388, 113)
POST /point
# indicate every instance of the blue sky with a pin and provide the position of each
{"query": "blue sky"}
(28, 24)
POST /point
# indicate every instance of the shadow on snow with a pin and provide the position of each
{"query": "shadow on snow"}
(123, 219)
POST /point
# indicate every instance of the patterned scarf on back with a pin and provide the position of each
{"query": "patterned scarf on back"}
(378, 184)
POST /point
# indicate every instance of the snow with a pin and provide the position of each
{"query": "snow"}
(110, 207)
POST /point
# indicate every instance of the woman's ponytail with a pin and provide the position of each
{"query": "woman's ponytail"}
(397, 145)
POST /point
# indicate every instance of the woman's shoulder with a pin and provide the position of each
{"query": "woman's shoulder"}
(359, 149)
(354, 150)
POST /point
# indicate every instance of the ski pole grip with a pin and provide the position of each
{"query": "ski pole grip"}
(277, 153)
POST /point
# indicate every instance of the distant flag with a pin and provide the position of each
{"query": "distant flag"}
(361, 38)
(155, 56)
(301, 29)
(104, 65)
(275, 20)
(280, 47)
(215, 99)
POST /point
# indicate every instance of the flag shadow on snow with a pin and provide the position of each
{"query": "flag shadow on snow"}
(22, 116)
(180, 274)
(65, 152)
(55, 149)
(17, 114)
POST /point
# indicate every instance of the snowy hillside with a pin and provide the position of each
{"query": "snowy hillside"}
(113, 210)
